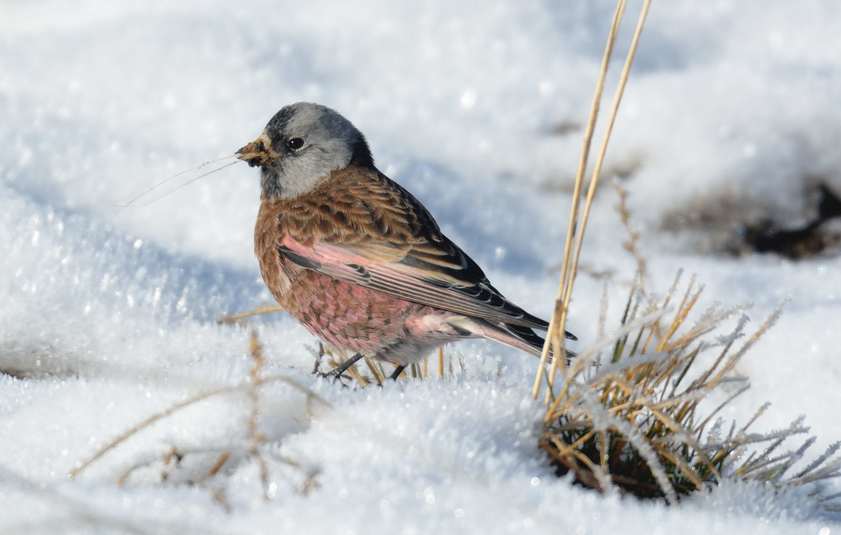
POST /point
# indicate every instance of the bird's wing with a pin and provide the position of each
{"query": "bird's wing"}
(366, 229)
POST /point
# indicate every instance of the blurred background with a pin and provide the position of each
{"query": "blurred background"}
(727, 144)
(730, 118)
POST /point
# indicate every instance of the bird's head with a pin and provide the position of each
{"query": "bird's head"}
(300, 146)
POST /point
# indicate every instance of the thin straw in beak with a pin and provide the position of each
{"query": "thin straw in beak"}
(258, 152)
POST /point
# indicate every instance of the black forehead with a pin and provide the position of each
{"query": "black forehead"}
(281, 119)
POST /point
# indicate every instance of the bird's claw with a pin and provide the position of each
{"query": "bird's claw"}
(334, 374)
(337, 373)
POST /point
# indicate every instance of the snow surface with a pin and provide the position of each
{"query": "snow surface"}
(109, 314)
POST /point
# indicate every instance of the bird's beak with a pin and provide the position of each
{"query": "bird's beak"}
(258, 152)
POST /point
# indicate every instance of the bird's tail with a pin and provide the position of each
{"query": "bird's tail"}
(516, 336)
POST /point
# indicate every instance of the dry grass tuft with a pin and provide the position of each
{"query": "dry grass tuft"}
(220, 456)
(627, 414)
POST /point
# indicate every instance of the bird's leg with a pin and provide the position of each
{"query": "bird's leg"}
(317, 365)
(337, 372)
(397, 371)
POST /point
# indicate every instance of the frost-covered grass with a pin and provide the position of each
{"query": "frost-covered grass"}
(638, 411)
(109, 315)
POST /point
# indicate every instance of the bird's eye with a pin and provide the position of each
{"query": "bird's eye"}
(295, 143)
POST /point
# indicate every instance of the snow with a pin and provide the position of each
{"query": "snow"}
(109, 313)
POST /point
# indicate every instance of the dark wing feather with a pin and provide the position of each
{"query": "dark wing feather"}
(376, 234)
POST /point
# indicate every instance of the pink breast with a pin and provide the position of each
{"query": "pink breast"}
(349, 316)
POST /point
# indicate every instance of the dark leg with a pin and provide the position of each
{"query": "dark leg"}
(317, 365)
(397, 371)
(338, 371)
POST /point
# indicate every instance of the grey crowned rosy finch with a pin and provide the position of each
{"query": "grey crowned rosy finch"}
(356, 258)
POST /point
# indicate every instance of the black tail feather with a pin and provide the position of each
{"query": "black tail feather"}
(534, 340)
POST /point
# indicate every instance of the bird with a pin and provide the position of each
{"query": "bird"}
(356, 258)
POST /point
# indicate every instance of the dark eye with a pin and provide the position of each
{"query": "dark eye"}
(295, 143)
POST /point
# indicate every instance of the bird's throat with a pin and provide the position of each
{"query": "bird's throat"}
(270, 184)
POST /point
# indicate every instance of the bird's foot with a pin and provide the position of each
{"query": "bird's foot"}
(334, 376)
(337, 373)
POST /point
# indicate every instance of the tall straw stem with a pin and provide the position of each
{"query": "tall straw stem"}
(576, 231)
(559, 313)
